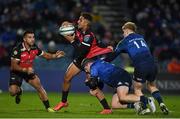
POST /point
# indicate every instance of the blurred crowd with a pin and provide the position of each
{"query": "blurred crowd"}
(158, 20)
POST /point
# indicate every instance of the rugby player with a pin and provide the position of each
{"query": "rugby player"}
(143, 61)
(22, 58)
(86, 46)
(116, 78)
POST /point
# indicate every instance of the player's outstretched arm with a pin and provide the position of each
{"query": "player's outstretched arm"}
(56, 55)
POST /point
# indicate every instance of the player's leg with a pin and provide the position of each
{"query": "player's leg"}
(156, 94)
(35, 82)
(116, 103)
(15, 83)
(100, 96)
(123, 94)
(138, 88)
(72, 71)
(15, 90)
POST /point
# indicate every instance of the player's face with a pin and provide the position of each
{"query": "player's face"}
(29, 39)
(125, 33)
(82, 22)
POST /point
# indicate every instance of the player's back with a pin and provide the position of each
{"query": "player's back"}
(138, 50)
(108, 73)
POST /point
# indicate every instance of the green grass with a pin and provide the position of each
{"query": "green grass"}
(80, 106)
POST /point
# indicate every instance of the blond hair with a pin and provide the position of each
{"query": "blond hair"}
(129, 25)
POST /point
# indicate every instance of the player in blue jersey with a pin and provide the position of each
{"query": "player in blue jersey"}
(114, 77)
(143, 61)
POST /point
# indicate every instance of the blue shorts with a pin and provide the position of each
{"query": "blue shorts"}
(145, 73)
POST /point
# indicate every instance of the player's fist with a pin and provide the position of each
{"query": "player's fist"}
(30, 70)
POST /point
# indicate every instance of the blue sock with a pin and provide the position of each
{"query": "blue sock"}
(144, 100)
(157, 96)
(130, 105)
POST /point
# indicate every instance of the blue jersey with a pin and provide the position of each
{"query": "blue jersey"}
(109, 74)
(135, 45)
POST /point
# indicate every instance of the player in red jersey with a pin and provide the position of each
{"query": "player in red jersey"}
(86, 45)
(22, 58)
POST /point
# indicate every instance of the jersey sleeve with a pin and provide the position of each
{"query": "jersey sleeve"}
(83, 47)
(15, 54)
(119, 49)
(40, 52)
(94, 72)
(120, 46)
(87, 41)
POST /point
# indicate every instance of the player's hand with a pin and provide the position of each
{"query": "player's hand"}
(30, 70)
(66, 23)
(59, 54)
(70, 38)
(110, 47)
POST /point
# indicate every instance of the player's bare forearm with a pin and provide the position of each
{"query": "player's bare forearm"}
(56, 55)
(16, 67)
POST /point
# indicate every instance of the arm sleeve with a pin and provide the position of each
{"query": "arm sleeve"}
(119, 49)
(83, 47)
(40, 52)
(15, 54)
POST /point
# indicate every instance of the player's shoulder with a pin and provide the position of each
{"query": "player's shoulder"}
(18, 46)
(34, 47)
(89, 33)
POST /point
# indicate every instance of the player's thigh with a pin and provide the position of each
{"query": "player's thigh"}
(35, 82)
(115, 99)
(138, 86)
(71, 71)
(122, 91)
(151, 86)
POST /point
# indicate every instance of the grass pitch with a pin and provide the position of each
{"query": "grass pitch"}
(81, 105)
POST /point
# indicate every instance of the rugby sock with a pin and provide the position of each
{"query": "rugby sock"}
(130, 105)
(46, 104)
(64, 96)
(157, 96)
(144, 100)
(104, 104)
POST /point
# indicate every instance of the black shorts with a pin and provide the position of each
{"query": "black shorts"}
(145, 74)
(16, 78)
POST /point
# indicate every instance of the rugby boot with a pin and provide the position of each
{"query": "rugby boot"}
(60, 105)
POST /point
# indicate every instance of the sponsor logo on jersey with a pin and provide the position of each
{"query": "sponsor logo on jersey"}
(86, 38)
(15, 52)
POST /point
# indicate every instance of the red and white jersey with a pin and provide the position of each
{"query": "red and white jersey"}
(24, 56)
(88, 39)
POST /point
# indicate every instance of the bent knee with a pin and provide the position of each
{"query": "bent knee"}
(13, 92)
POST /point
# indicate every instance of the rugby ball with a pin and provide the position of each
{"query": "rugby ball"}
(67, 30)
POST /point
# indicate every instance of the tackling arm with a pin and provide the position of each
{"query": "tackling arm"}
(50, 56)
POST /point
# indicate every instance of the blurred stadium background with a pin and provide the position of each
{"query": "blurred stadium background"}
(157, 20)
